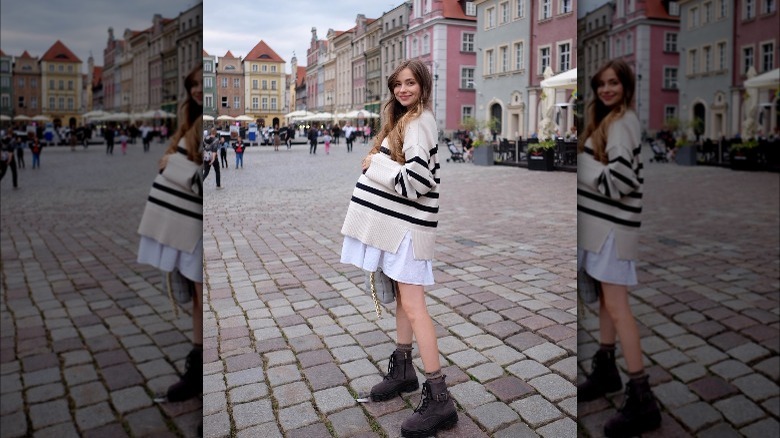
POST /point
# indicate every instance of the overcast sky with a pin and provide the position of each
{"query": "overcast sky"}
(284, 25)
(35, 25)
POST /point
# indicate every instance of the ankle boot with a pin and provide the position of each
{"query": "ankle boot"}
(639, 413)
(604, 377)
(191, 383)
(435, 412)
(400, 377)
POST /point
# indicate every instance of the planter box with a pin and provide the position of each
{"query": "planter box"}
(686, 156)
(744, 160)
(483, 155)
(543, 161)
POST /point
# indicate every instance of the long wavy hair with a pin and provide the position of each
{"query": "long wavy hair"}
(396, 117)
(190, 120)
(601, 116)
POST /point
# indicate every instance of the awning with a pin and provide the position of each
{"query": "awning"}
(566, 80)
(770, 79)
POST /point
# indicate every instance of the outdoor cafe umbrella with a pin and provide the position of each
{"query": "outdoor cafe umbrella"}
(319, 117)
(361, 114)
(547, 125)
(22, 117)
(244, 118)
(298, 114)
(226, 117)
(94, 114)
(5, 118)
(208, 118)
(41, 118)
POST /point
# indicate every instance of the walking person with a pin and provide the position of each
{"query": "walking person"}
(239, 148)
(123, 141)
(21, 145)
(313, 134)
(391, 224)
(146, 136)
(108, 134)
(290, 135)
(223, 145)
(171, 227)
(35, 149)
(7, 158)
(327, 139)
(609, 205)
(210, 148)
(349, 136)
(275, 136)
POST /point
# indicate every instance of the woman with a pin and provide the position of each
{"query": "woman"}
(276, 137)
(171, 228)
(609, 206)
(391, 224)
(239, 147)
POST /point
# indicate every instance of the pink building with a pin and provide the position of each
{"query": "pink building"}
(436, 30)
(641, 32)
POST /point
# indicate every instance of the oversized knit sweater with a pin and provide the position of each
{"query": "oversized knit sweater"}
(391, 199)
(609, 197)
(174, 212)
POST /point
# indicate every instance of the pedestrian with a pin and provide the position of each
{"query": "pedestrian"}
(327, 138)
(123, 141)
(277, 139)
(35, 148)
(313, 134)
(609, 205)
(391, 224)
(146, 136)
(290, 135)
(171, 227)
(72, 137)
(349, 136)
(336, 134)
(7, 158)
(108, 134)
(223, 145)
(366, 134)
(239, 148)
(210, 148)
(21, 144)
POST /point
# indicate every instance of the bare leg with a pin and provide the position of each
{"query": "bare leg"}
(197, 315)
(413, 304)
(607, 333)
(402, 324)
(615, 302)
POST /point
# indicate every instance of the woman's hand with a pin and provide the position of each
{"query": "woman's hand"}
(367, 161)
(163, 162)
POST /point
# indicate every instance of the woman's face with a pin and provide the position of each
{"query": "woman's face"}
(197, 89)
(610, 89)
(406, 88)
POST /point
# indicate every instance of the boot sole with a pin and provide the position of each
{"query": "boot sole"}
(407, 387)
(447, 423)
(596, 396)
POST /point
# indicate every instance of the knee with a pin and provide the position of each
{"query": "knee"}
(414, 311)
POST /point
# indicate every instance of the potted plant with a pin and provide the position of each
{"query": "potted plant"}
(482, 155)
(541, 156)
(744, 156)
(685, 152)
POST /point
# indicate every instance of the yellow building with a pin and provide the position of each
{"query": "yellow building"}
(61, 83)
(264, 85)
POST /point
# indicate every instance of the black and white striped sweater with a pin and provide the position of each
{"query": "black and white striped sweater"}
(609, 197)
(391, 199)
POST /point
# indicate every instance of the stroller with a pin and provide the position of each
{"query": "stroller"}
(455, 156)
(659, 154)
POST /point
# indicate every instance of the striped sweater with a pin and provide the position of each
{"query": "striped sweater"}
(173, 214)
(391, 199)
(609, 197)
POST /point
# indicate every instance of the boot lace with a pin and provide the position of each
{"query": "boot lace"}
(426, 398)
(390, 368)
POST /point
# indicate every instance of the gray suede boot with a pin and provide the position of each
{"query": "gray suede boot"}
(435, 412)
(400, 377)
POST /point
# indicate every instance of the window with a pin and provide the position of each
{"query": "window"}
(265, 84)
(236, 83)
(670, 42)
(618, 47)
(415, 45)
(61, 84)
(224, 82)
(519, 8)
(61, 68)
(467, 42)
(519, 56)
(466, 112)
(273, 103)
(564, 57)
(255, 102)
(208, 101)
(70, 85)
(471, 9)
(61, 102)
(225, 102)
(504, 8)
(254, 84)
(749, 9)
(207, 67)
(33, 83)
(51, 69)
(544, 59)
(721, 56)
(236, 102)
(264, 68)
(769, 7)
(70, 103)
(21, 101)
(467, 77)
(5, 67)
(34, 102)
(503, 53)
(767, 56)
(629, 44)
(707, 13)
(693, 61)
(670, 78)
(21, 82)
(545, 10)
(693, 17)
(670, 112)
(273, 85)
(489, 62)
(747, 59)
(254, 67)
(490, 18)
(208, 82)
(706, 53)
(273, 69)
(565, 6)
(51, 103)
(265, 103)
(721, 8)
(426, 47)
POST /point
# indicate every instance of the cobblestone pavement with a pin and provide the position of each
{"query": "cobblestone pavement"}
(290, 336)
(87, 335)
(707, 304)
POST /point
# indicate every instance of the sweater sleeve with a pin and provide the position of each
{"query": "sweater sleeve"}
(619, 178)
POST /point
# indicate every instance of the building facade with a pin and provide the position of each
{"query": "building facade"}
(61, 85)
(229, 83)
(264, 79)
(189, 42)
(209, 84)
(391, 43)
(6, 62)
(374, 81)
(26, 87)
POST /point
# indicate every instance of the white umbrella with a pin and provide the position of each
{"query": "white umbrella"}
(208, 118)
(361, 114)
(41, 118)
(547, 125)
(566, 80)
(22, 117)
(94, 114)
(298, 114)
(226, 117)
(244, 118)
(4, 117)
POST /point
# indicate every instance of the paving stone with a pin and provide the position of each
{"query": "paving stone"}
(720, 430)
(764, 428)
(40, 377)
(527, 369)
(324, 376)
(545, 353)
(239, 378)
(40, 394)
(524, 341)
(333, 399)
(359, 368)
(482, 342)
(14, 425)
(348, 354)
(466, 330)
(730, 369)
(712, 388)
(121, 376)
(94, 416)
(569, 406)
(267, 430)
(62, 430)
(467, 358)
(696, 416)
(252, 413)
(517, 430)
(493, 416)
(559, 428)
(536, 411)
(216, 425)
(553, 387)
(670, 358)
(770, 367)
(485, 318)
(706, 355)
(251, 392)
(756, 387)
(349, 422)
(130, 399)
(486, 372)
(748, 352)
(674, 394)
(339, 341)
(503, 355)
(471, 394)
(772, 405)
(311, 358)
(283, 374)
(509, 388)
(297, 416)
(244, 362)
(48, 413)
(504, 329)
(689, 372)
(214, 403)
(450, 344)
(739, 411)
(464, 428)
